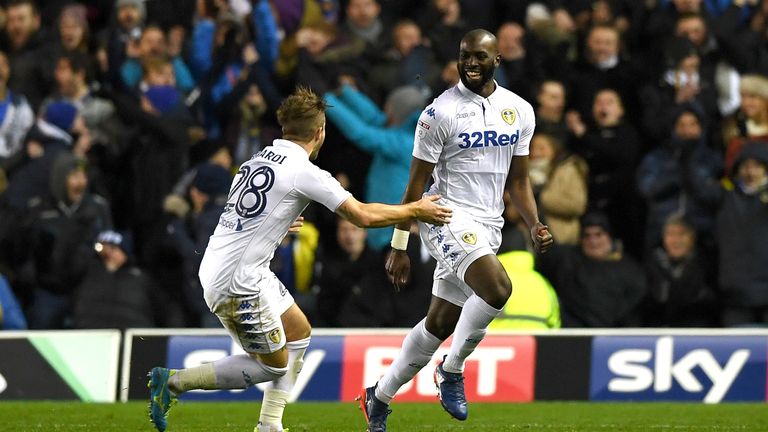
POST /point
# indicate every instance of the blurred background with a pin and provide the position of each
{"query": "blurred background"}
(122, 123)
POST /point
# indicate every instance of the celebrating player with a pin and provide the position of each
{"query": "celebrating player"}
(467, 140)
(267, 196)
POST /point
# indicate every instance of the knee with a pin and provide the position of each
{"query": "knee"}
(276, 372)
(499, 293)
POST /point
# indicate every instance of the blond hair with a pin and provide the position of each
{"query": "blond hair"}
(301, 114)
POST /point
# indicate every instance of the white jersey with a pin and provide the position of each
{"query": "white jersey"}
(267, 195)
(471, 140)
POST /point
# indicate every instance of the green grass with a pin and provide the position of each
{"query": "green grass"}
(407, 417)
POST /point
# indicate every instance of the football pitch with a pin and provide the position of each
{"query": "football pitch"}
(406, 417)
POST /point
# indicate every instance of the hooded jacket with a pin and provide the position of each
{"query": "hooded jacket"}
(742, 230)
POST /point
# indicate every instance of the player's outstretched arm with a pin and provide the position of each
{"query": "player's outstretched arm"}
(519, 187)
(371, 215)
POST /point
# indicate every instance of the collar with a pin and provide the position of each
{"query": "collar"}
(290, 146)
(474, 97)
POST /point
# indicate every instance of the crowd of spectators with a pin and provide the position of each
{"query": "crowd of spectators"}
(122, 123)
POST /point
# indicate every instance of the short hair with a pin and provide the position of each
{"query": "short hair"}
(77, 61)
(301, 114)
(31, 3)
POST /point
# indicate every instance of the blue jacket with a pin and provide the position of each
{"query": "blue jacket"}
(11, 316)
(364, 124)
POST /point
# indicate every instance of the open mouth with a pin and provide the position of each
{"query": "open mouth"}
(473, 75)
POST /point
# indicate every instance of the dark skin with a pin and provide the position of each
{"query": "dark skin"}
(478, 58)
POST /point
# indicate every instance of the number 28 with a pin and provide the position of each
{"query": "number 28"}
(252, 199)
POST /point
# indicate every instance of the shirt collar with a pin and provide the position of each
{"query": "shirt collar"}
(290, 146)
(474, 97)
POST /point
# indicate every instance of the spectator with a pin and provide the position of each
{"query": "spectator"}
(681, 178)
(363, 21)
(681, 83)
(602, 67)
(60, 130)
(152, 44)
(58, 243)
(444, 25)
(115, 293)
(99, 114)
(25, 41)
(680, 280)
(408, 62)
(559, 180)
(520, 68)
(153, 159)
(387, 136)
(352, 281)
(742, 227)
(715, 63)
(16, 117)
(597, 284)
(550, 110)
(325, 54)
(751, 121)
(11, 315)
(190, 230)
(533, 303)
(114, 40)
(746, 45)
(611, 148)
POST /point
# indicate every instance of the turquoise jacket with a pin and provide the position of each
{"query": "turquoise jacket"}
(391, 148)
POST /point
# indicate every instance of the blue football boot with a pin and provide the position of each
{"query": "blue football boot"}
(160, 397)
(450, 390)
(375, 411)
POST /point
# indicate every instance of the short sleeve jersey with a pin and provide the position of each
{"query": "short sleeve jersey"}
(471, 140)
(267, 195)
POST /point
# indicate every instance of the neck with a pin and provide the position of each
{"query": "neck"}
(487, 89)
(308, 146)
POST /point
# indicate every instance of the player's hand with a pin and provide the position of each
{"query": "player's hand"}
(430, 212)
(296, 225)
(398, 268)
(542, 239)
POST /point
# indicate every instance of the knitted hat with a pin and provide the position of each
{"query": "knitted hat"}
(754, 85)
(121, 240)
(404, 101)
(61, 114)
(597, 219)
(163, 98)
(138, 4)
(212, 179)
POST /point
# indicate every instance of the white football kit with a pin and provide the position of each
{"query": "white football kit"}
(471, 140)
(267, 195)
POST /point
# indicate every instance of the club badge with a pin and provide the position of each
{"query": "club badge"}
(469, 237)
(508, 115)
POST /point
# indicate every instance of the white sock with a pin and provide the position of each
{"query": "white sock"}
(276, 397)
(470, 330)
(241, 371)
(416, 352)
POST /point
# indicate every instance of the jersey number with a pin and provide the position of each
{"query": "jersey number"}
(252, 200)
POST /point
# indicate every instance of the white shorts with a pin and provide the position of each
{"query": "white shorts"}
(455, 246)
(252, 314)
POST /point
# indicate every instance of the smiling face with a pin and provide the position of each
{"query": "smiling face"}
(478, 59)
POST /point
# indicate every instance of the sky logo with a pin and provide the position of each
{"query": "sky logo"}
(685, 368)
